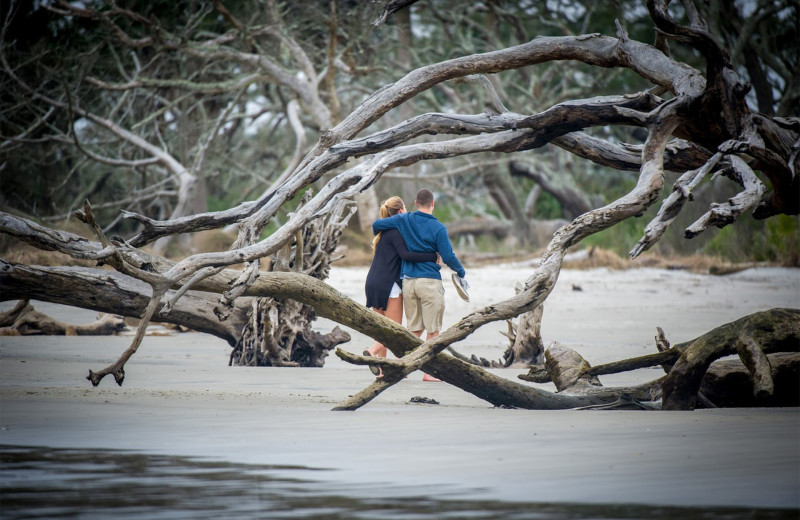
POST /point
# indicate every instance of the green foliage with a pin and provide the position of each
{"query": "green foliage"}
(620, 238)
(776, 240)
(445, 213)
(783, 237)
(547, 208)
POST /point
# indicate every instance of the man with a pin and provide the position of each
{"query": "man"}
(423, 293)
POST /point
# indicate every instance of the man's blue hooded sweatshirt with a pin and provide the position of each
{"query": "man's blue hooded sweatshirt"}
(423, 233)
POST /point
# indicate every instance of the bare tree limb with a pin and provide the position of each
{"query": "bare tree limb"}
(681, 193)
(723, 214)
(773, 331)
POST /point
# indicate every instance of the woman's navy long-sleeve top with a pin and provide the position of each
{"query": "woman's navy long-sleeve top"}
(386, 264)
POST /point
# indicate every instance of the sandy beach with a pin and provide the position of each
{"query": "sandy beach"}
(181, 399)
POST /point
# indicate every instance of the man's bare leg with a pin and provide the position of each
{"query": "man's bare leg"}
(428, 377)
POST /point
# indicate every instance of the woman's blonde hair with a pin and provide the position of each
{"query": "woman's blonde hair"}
(389, 207)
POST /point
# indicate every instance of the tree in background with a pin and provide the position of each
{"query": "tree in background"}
(153, 75)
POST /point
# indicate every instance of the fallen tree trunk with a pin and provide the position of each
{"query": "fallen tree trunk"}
(32, 322)
(729, 384)
(10, 316)
(15, 279)
(264, 333)
(724, 383)
(114, 293)
(776, 330)
(106, 290)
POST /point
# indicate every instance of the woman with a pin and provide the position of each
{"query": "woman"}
(384, 286)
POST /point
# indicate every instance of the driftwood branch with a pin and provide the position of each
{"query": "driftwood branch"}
(721, 215)
(681, 193)
(117, 369)
(31, 322)
(777, 330)
(755, 359)
(768, 344)
(539, 285)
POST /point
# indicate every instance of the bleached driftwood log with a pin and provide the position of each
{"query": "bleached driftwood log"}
(24, 320)
(691, 376)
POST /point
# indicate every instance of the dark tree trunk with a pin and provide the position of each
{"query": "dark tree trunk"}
(729, 384)
(505, 198)
(572, 201)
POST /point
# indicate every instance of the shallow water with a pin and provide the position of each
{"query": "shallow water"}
(87, 484)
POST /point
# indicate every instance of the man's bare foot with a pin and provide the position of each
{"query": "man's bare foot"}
(430, 378)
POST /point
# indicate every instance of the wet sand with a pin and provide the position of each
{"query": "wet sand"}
(180, 398)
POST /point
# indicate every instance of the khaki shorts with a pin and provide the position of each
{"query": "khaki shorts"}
(423, 300)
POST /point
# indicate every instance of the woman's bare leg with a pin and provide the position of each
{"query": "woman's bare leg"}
(377, 349)
(394, 311)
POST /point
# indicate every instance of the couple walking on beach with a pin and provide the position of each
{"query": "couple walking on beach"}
(405, 270)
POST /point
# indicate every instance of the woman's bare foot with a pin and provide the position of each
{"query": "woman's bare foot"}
(430, 378)
(372, 368)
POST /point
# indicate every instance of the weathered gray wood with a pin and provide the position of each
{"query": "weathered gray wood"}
(728, 383)
(526, 346)
(625, 365)
(10, 316)
(757, 363)
(32, 322)
(720, 215)
(671, 207)
(722, 120)
(113, 293)
(776, 330)
(567, 369)
(679, 155)
(278, 330)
